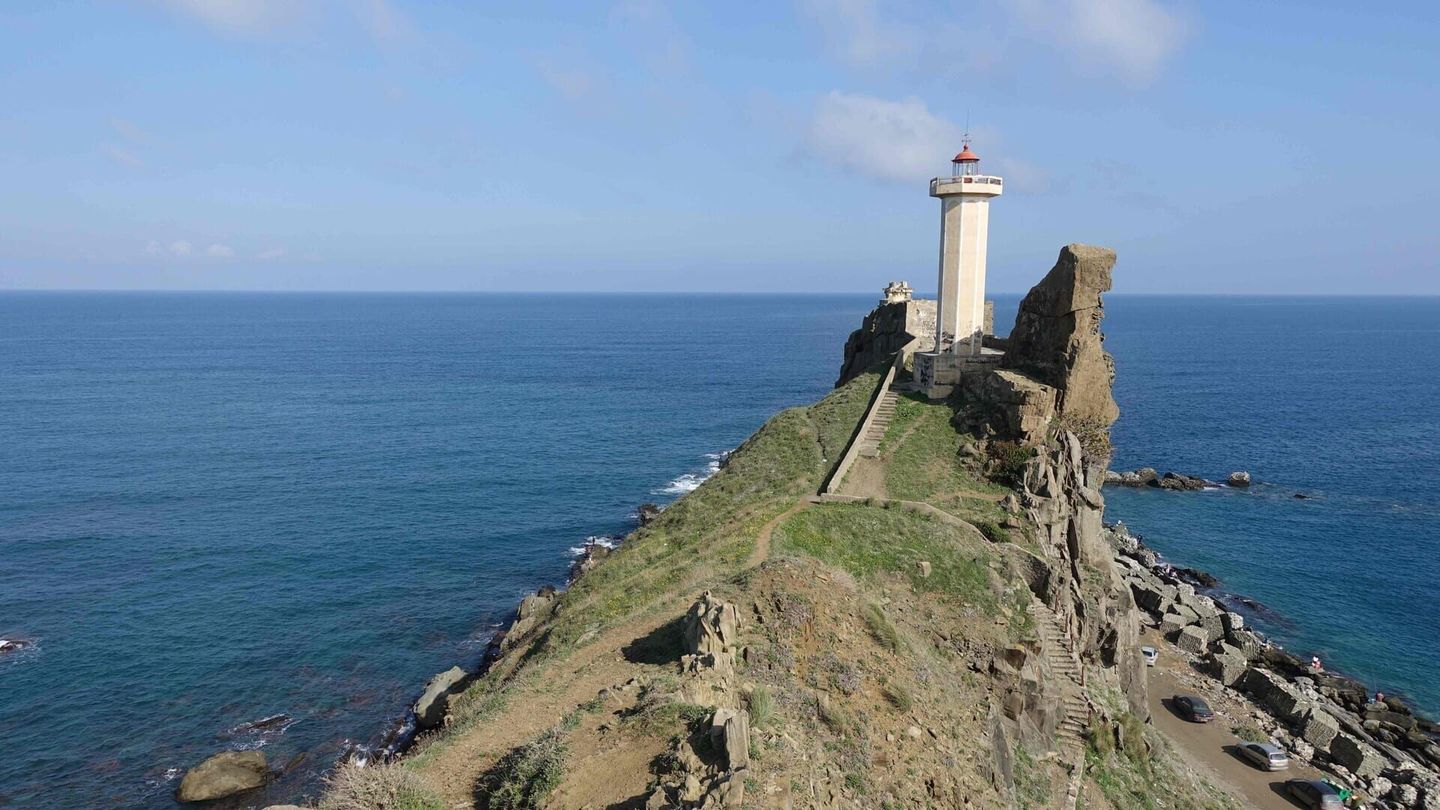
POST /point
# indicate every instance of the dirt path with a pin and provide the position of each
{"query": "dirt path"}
(761, 552)
(1209, 747)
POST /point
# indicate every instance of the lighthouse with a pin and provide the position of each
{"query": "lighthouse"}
(960, 312)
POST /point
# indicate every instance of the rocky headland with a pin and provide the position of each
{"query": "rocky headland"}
(941, 621)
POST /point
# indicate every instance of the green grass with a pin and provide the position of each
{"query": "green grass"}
(760, 705)
(924, 464)
(837, 415)
(1032, 781)
(1132, 780)
(525, 777)
(881, 627)
(869, 541)
(898, 696)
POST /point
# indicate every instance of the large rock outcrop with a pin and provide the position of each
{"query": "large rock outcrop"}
(1056, 340)
(225, 774)
(893, 326)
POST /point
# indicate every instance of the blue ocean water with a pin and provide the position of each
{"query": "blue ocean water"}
(218, 508)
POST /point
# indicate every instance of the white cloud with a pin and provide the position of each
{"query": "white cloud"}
(855, 31)
(886, 140)
(381, 20)
(181, 248)
(1133, 38)
(270, 254)
(122, 156)
(237, 16)
(219, 251)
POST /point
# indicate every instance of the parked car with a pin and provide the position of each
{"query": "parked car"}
(1265, 756)
(1314, 793)
(1193, 708)
(1150, 654)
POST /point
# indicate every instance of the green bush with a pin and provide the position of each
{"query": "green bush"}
(1007, 460)
(525, 777)
(760, 705)
(881, 627)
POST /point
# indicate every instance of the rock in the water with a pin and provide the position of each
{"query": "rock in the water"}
(430, 709)
(1179, 483)
(1057, 341)
(645, 513)
(11, 645)
(1240, 480)
(225, 774)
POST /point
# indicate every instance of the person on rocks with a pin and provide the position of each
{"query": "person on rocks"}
(1379, 696)
(1315, 663)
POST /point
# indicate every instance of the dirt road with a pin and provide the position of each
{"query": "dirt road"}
(1210, 747)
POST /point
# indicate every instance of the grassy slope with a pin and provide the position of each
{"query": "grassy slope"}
(886, 650)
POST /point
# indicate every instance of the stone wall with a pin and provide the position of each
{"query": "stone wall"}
(895, 326)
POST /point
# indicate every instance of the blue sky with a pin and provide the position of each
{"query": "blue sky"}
(646, 145)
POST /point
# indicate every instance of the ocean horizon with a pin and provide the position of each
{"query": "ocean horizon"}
(218, 508)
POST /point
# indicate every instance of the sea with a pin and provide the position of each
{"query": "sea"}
(235, 520)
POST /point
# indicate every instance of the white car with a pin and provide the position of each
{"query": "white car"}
(1151, 655)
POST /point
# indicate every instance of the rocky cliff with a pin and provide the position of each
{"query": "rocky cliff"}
(948, 631)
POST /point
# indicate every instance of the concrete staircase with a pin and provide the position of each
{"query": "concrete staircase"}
(884, 414)
(1070, 738)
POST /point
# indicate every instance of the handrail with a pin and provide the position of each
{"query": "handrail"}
(837, 475)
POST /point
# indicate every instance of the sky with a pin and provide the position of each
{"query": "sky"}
(783, 146)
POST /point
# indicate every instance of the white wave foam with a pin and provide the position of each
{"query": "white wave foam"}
(689, 482)
(594, 540)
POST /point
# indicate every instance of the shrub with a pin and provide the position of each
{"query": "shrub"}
(761, 705)
(526, 776)
(1007, 460)
(993, 531)
(898, 696)
(383, 786)
(881, 627)
(1250, 733)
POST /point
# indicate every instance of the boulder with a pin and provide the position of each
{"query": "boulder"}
(1274, 694)
(1152, 595)
(1405, 795)
(1356, 756)
(1179, 483)
(1233, 622)
(1172, 624)
(430, 709)
(1225, 668)
(730, 733)
(1193, 639)
(711, 626)
(225, 774)
(1319, 727)
(1056, 338)
(646, 513)
(534, 609)
(1239, 480)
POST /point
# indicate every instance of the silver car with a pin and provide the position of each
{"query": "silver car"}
(1265, 756)
(1150, 654)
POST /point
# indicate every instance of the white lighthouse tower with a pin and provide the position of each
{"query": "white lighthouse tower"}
(960, 318)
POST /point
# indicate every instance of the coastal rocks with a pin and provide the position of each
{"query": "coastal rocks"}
(224, 774)
(1056, 339)
(1355, 756)
(646, 513)
(1319, 728)
(1239, 480)
(14, 645)
(1180, 483)
(534, 609)
(432, 706)
(1193, 639)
